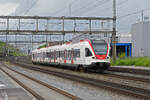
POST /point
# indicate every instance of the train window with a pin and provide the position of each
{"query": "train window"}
(66, 54)
(76, 53)
(69, 54)
(63, 54)
(60, 53)
(44, 54)
(33, 56)
(51, 55)
(48, 54)
(56, 54)
(87, 52)
(100, 47)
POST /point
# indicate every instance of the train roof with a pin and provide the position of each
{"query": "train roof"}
(67, 44)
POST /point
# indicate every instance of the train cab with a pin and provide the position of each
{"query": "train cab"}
(97, 55)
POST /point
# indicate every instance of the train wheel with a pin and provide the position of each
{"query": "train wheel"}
(82, 69)
(77, 68)
(100, 71)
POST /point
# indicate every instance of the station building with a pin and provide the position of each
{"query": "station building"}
(141, 39)
(124, 44)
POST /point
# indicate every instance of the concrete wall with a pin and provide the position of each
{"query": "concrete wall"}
(141, 39)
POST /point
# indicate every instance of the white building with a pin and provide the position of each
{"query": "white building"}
(141, 39)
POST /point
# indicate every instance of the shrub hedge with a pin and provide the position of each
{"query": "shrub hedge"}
(143, 61)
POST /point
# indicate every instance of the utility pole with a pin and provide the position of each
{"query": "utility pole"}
(142, 15)
(63, 29)
(114, 32)
(47, 26)
(70, 10)
(6, 48)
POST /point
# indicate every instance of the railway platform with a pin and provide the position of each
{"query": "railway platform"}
(10, 91)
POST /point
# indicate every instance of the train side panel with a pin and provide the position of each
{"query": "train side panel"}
(74, 55)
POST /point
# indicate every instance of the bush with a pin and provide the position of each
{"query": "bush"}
(133, 62)
(122, 55)
(12, 51)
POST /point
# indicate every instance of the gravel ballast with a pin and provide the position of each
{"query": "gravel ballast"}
(83, 91)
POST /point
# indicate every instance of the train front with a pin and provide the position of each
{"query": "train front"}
(101, 59)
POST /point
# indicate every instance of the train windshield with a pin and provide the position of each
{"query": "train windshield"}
(100, 47)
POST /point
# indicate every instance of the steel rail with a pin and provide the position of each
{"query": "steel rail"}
(46, 85)
(109, 74)
(24, 86)
(140, 79)
(130, 70)
(124, 89)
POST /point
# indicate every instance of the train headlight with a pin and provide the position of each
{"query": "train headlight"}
(107, 57)
(93, 57)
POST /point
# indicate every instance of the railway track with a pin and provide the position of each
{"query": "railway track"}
(37, 96)
(130, 70)
(72, 97)
(124, 89)
(113, 69)
(140, 79)
(109, 74)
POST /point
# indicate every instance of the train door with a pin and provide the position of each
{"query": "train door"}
(65, 56)
(88, 56)
(72, 56)
(54, 56)
(50, 56)
(61, 56)
(82, 56)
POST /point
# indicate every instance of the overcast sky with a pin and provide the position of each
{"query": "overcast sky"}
(77, 8)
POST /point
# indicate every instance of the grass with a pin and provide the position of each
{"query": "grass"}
(142, 61)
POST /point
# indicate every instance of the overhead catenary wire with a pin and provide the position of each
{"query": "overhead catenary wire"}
(110, 7)
(133, 13)
(34, 3)
(129, 15)
(89, 8)
(123, 2)
(63, 8)
(87, 5)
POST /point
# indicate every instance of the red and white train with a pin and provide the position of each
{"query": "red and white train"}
(86, 54)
